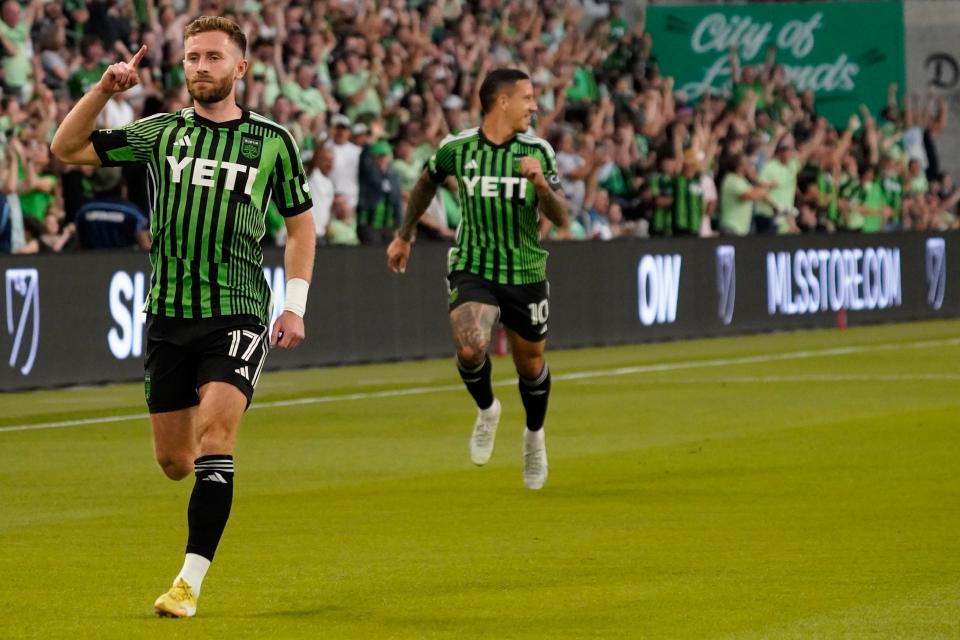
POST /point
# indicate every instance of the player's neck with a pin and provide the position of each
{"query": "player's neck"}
(223, 111)
(497, 131)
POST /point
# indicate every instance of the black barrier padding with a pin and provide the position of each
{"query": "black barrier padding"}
(69, 319)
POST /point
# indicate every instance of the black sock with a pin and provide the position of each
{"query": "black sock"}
(478, 382)
(534, 394)
(209, 503)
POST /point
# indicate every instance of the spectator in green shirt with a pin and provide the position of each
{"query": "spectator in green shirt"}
(264, 63)
(36, 185)
(380, 206)
(584, 87)
(304, 96)
(917, 180)
(618, 26)
(357, 87)
(688, 205)
(405, 167)
(77, 19)
(342, 229)
(90, 70)
(15, 28)
(891, 182)
(851, 196)
(662, 186)
(737, 196)
(873, 206)
(745, 82)
(780, 175)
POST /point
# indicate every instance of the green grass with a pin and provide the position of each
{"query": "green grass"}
(751, 495)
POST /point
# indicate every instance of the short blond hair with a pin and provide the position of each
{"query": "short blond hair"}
(205, 24)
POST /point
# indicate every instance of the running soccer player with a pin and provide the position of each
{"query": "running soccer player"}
(213, 169)
(497, 270)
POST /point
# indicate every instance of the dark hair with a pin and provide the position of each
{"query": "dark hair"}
(204, 24)
(731, 163)
(88, 41)
(495, 83)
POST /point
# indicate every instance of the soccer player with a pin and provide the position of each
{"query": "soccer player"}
(214, 167)
(498, 268)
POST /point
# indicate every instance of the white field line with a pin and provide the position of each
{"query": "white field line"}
(813, 377)
(581, 375)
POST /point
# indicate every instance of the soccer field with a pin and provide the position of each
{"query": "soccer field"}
(798, 485)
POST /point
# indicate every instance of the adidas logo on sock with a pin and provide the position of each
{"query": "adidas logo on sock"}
(215, 477)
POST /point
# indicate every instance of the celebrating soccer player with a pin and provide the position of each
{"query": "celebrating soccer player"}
(505, 177)
(213, 169)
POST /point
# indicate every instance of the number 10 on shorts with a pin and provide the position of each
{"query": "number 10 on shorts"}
(539, 312)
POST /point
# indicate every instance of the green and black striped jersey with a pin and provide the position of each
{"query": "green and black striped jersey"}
(210, 184)
(687, 204)
(498, 237)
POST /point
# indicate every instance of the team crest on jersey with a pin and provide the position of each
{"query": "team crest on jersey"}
(250, 147)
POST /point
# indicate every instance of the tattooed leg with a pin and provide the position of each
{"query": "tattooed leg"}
(472, 324)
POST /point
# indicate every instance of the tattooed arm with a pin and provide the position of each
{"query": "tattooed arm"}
(553, 205)
(420, 197)
(399, 250)
(552, 202)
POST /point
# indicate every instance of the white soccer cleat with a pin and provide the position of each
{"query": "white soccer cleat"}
(534, 459)
(484, 433)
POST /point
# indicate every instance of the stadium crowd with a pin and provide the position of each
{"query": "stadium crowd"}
(369, 88)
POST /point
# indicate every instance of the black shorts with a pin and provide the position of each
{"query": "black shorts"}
(184, 354)
(524, 308)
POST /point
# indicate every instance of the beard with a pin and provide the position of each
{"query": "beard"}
(210, 92)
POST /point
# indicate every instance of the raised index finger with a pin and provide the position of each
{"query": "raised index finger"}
(135, 60)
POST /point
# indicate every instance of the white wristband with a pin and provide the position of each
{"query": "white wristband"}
(296, 296)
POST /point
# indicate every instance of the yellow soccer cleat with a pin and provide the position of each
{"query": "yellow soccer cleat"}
(179, 602)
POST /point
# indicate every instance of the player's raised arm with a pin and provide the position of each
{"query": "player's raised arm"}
(72, 141)
(420, 197)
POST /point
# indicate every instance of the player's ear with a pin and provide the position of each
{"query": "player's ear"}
(241, 69)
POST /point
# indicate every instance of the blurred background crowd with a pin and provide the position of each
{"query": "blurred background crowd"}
(370, 88)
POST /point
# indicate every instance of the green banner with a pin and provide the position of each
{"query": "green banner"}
(847, 52)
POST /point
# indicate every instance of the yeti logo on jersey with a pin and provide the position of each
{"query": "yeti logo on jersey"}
(250, 147)
(205, 173)
(492, 186)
